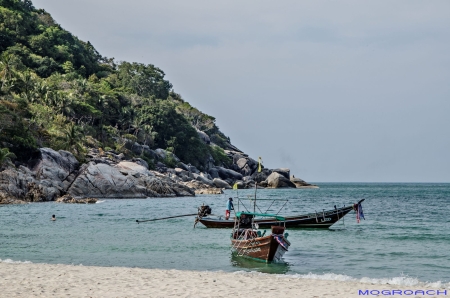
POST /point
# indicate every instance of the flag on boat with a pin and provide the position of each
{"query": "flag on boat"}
(259, 164)
(359, 213)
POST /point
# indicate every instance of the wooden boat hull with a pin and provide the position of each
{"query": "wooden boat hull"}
(321, 220)
(266, 249)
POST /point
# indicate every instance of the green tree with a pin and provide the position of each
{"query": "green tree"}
(73, 139)
(174, 132)
(6, 156)
(144, 80)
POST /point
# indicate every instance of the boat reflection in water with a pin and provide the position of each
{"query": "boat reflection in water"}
(259, 266)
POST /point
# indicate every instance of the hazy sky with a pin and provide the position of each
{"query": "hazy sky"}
(338, 91)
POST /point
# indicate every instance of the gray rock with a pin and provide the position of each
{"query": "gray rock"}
(141, 162)
(283, 171)
(229, 181)
(183, 166)
(180, 172)
(276, 180)
(137, 149)
(261, 176)
(246, 171)
(221, 184)
(53, 174)
(161, 153)
(241, 163)
(50, 170)
(227, 173)
(204, 137)
(237, 156)
(204, 180)
(149, 152)
(214, 173)
(299, 183)
(101, 180)
(206, 175)
(193, 169)
(240, 184)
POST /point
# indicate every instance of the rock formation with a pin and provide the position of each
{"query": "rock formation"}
(57, 174)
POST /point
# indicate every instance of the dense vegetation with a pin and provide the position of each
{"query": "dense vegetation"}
(58, 91)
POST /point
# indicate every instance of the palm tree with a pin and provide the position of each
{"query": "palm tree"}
(8, 64)
(6, 156)
(73, 137)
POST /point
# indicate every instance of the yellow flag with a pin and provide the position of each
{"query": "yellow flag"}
(259, 164)
(235, 186)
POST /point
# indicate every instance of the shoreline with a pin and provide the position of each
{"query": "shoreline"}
(38, 279)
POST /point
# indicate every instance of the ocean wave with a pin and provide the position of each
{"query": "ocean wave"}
(98, 202)
(403, 280)
(14, 262)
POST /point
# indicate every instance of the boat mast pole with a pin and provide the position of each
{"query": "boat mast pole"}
(254, 202)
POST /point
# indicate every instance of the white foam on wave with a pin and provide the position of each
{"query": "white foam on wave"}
(14, 262)
(403, 280)
(98, 202)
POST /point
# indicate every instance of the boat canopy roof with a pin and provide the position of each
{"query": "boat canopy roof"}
(238, 214)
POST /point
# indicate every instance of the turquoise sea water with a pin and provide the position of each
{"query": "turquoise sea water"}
(406, 234)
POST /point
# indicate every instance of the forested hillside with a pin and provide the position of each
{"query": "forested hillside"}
(58, 91)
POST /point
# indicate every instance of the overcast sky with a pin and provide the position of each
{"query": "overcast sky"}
(337, 91)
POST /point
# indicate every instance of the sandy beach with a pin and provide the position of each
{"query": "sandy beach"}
(44, 280)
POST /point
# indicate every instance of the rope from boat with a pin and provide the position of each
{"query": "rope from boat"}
(282, 207)
(239, 200)
(270, 206)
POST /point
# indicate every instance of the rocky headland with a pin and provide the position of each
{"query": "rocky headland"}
(57, 175)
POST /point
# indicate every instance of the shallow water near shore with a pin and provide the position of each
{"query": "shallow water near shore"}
(405, 237)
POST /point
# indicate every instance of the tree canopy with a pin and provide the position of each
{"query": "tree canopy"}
(58, 91)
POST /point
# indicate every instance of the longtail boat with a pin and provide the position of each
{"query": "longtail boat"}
(250, 243)
(323, 219)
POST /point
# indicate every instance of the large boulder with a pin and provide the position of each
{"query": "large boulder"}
(227, 173)
(276, 180)
(204, 137)
(246, 170)
(214, 173)
(149, 152)
(133, 168)
(137, 148)
(246, 165)
(141, 162)
(163, 154)
(283, 171)
(299, 183)
(54, 165)
(261, 176)
(221, 184)
(124, 180)
(204, 180)
(241, 163)
(50, 174)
